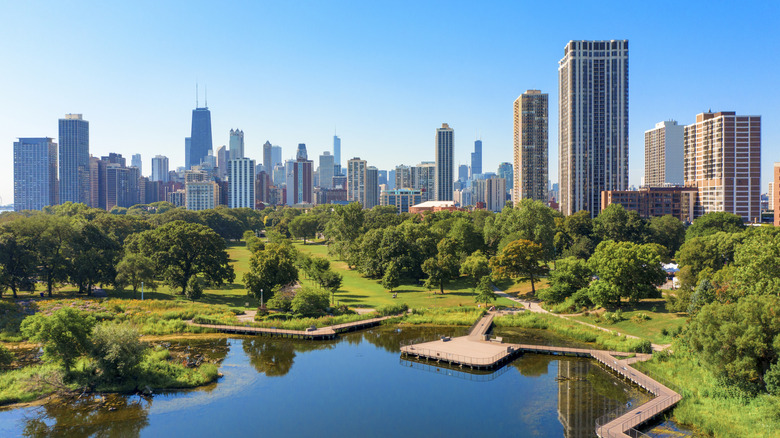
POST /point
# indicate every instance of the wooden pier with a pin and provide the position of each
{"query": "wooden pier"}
(476, 351)
(319, 334)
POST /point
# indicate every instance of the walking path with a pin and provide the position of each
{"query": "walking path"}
(476, 351)
(315, 334)
(536, 308)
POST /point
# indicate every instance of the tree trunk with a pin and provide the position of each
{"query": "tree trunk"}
(533, 289)
(13, 289)
(49, 286)
(441, 287)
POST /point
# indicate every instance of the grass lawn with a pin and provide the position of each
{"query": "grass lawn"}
(648, 329)
(359, 291)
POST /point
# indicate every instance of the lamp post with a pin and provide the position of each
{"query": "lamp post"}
(262, 305)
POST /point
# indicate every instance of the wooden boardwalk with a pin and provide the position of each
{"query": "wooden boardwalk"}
(475, 352)
(319, 334)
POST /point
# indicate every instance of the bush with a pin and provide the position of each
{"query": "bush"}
(64, 334)
(310, 302)
(117, 350)
(392, 309)
(772, 379)
(194, 289)
(6, 357)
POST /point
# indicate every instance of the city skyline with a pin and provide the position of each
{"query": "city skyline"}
(299, 106)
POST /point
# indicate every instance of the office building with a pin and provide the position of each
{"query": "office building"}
(74, 185)
(723, 161)
(655, 201)
(326, 170)
(279, 176)
(187, 152)
(593, 123)
(276, 155)
(424, 178)
(337, 150)
(160, 168)
(529, 180)
(223, 156)
(121, 186)
(382, 177)
(444, 163)
(301, 154)
(236, 144)
(241, 183)
(135, 161)
(200, 195)
(372, 187)
(476, 159)
(495, 194)
(35, 173)
(462, 197)
(268, 164)
(463, 172)
(506, 171)
(403, 177)
(391, 179)
(664, 154)
(356, 181)
(402, 199)
(200, 136)
(300, 184)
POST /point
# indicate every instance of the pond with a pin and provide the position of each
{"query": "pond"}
(356, 385)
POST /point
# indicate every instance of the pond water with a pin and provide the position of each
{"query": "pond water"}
(356, 385)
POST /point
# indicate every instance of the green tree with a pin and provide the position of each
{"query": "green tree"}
(618, 224)
(738, 341)
(6, 357)
(484, 290)
(441, 268)
(134, 270)
(714, 222)
(17, 262)
(181, 250)
(304, 227)
(520, 259)
(271, 268)
(332, 282)
(344, 227)
(667, 231)
(392, 277)
(93, 256)
(310, 302)
(227, 226)
(194, 289)
(65, 334)
(757, 263)
(603, 294)
(50, 236)
(117, 350)
(633, 270)
(569, 276)
(475, 266)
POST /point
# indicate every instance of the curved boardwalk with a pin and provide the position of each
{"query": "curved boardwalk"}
(475, 351)
(319, 334)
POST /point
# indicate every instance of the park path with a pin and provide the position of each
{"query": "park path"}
(534, 306)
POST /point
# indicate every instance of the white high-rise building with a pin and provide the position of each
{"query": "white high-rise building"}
(236, 144)
(241, 183)
(664, 154)
(444, 163)
(592, 123)
(159, 168)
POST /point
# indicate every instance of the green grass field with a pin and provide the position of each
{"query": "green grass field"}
(650, 329)
(357, 291)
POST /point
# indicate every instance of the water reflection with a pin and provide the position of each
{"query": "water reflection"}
(109, 416)
(275, 357)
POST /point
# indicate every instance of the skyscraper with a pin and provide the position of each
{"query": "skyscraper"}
(276, 155)
(530, 147)
(593, 123)
(444, 163)
(506, 171)
(268, 164)
(664, 154)
(424, 178)
(301, 153)
(200, 136)
(372, 187)
(187, 151)
(403, 177)
(74, 159)
(223, 156)
(463, 172)
(135, 161)
(300, 184)
(476, 158)
(35, 173)
(326, 170)
(337, 150)
(723, 161)
(159, 168)
(236, 144)
(356, 181)
(241, 183)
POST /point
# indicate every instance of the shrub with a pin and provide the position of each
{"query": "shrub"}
(772, 379)
(6, 357)
(194, 289)
(64, 334)
(392, 309)
(117, 350)
(310, 302)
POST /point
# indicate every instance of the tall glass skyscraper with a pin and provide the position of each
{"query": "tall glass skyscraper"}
(276, 156)
(200, 136)
(159, 168)
(74, 159)
(301, 154)
(236, 144)
(476, 158)
(336, 150)
(444, 163)
(35, 173)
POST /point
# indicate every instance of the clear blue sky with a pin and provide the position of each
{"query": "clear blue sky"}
(385, 75)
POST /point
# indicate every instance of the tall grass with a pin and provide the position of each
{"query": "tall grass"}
(29, 383)
(605, 340)
(444, 316)
(304, 323)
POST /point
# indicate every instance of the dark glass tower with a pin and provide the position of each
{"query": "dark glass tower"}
(476, 158)
(74, 159)
(200, 136)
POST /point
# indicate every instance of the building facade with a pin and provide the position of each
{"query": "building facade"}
(241, 183)
(200, 195)
(402, 199)
(655, 201)
(236, 144)
(300, 182)
(337, 150)
(356, 180)
(160, 168)
(372, 187)
(664, 154)
(593, 123)
(268, 164)
(35, 173)
(424, 179)
(74, 159)
(444, 163)
(529, 180)
(326, 170)
(476, 159)
(136, 162)
(723, 161)
(200, 136)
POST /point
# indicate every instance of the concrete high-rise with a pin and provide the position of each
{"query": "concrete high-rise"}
(723, 161)
(223, 156)
(403, 177)
(424, 178)
(593, 123)
(268, 164)
(200, 136)
(444, 163)
(300, 181)
(372, 187)
(337, 150)
(35, 173)
(74, 159)
(664, 154)
(236, 144)
(135, 161)
(160, 168)
(187, 152)
(326, 170)
(241, 183)
(530, 147)
(476, 158)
